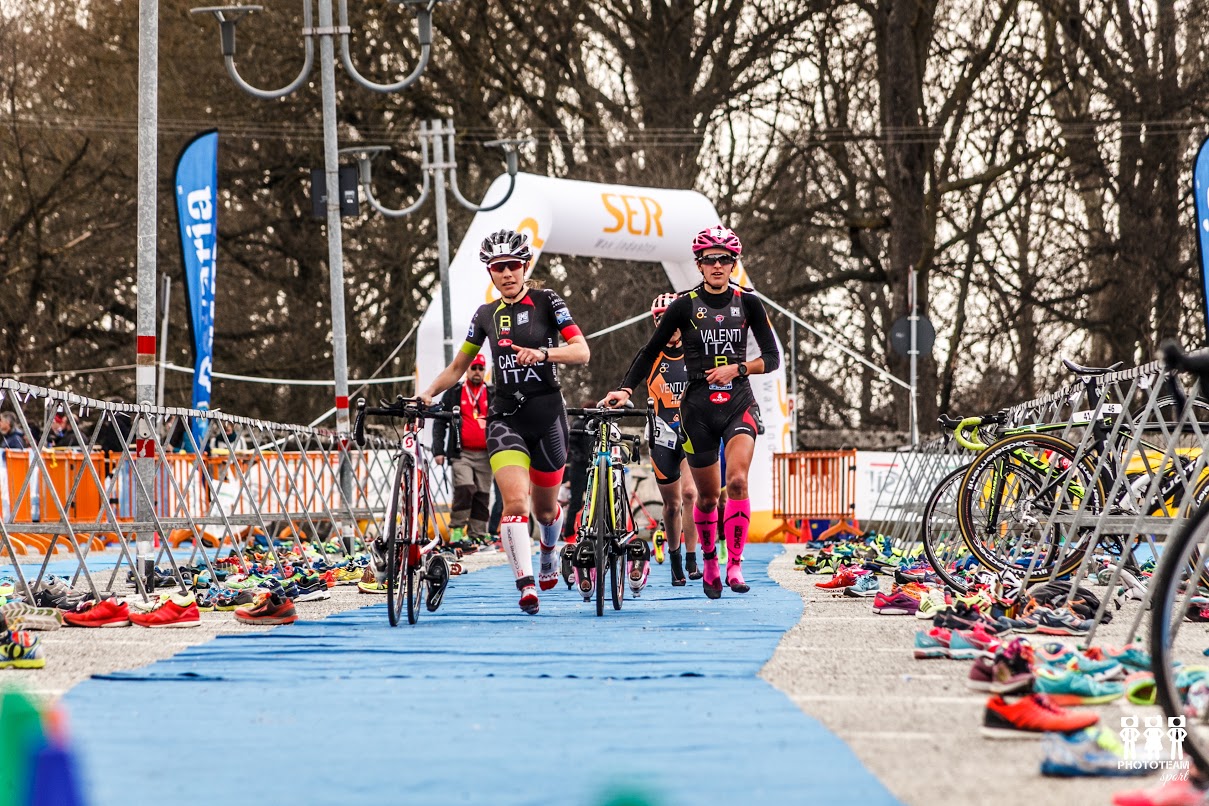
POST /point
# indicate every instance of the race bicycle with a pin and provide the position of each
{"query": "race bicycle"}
(412, 542)
(607, 540)
(1019, 502)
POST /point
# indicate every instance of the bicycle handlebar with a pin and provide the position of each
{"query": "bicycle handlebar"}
(608, 413)
(410, 409)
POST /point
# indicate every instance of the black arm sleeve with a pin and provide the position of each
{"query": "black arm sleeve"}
(675, 318)
(761, 328)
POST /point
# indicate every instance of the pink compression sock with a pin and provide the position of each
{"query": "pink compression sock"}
(735, 521)
(707, 533)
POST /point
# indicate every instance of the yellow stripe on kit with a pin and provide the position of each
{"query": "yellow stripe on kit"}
(509, 459)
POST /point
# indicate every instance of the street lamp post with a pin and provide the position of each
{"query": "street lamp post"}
(228, 17)
(439, 134)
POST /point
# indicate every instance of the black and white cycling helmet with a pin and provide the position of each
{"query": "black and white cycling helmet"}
(505, 244)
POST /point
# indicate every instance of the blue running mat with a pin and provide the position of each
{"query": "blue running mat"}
(477, 704)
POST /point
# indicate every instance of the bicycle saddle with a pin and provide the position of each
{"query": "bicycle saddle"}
(1082, 371)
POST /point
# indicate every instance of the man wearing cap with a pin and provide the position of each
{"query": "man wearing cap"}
(59, 434)
(466, 450)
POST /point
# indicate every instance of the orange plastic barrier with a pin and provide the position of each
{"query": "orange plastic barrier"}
(813, 485)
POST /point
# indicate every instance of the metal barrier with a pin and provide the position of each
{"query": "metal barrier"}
(247, 480)
(813, 484)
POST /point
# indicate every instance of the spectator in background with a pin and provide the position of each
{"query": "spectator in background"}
(226, 438)
(10, 434)
(60, 435)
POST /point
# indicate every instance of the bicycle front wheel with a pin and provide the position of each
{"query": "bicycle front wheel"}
(398, 528)
(1018, 501)
(1175, 639)
(943, 546)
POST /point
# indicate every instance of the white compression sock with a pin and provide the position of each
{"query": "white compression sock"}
(514, 535)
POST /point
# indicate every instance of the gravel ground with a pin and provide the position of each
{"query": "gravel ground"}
(914, 723)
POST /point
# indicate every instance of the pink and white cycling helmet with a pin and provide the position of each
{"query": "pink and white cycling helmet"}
(660, 303)
(720, 237)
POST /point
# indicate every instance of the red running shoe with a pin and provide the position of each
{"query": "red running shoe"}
(176, 611)
(843, 578)
(269, 608)
(1030, 716)
(105, 613)
(1176, 792)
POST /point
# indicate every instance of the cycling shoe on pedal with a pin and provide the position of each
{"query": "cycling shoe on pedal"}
(438, 580)
(529, 600)
(564, 563)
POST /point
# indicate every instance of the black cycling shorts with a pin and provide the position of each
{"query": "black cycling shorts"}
(666, 461)
(535, 437)
(709, 425)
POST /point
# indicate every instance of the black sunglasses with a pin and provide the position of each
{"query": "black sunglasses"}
(716, 260)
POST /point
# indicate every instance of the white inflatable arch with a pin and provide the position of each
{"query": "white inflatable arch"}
(642, 225)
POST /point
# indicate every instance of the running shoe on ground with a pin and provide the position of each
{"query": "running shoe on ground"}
(21, 616)
(934, 603)
(313, 590)
(981, 674)
(1133, 658)
(176, 611)
(20, 650)
(1061, 622)
(1012, 669)
(105, 613)
(529, 601)
(1085, 754)
(1066, 687)
(865, 586)
(941, 643)
(690, 565)
(1176, 792)
(1057, 654)
(1031, 716)
(843, 578)
(547, 569)
(1023, 624)
(372, 587)
(230, 600)
(896, 603)
(711, 577)
(269, 608)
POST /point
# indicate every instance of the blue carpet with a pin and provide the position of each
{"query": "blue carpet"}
(477, 704)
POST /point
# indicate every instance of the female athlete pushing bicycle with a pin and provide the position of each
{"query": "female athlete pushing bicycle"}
(718, 408)
(527, 421)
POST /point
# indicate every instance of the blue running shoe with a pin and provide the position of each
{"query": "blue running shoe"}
(1087, 753)
(865, 586)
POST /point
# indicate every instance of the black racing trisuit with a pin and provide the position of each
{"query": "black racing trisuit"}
(665, 385)
(527, 423)
(713, 329)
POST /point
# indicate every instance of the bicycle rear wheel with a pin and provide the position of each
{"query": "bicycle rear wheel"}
(1016, 503)
(943, 546)
(415, 583)
(1175, 639)
(398, 529)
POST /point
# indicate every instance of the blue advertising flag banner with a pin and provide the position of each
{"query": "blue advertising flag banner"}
(1200, 188)
(196, 181)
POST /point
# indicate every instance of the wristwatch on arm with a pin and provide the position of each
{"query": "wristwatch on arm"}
(742, 370)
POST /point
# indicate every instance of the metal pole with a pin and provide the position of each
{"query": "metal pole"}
(914, 352)
(144, 373)
(439, 167)
(335, 249)
(159, 386)
(793, 383)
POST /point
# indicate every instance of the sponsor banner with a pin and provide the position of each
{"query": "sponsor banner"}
(196, 181)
